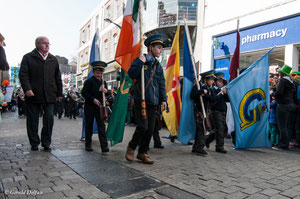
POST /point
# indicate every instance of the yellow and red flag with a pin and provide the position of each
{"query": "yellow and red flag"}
(129, 41)
(172, 77)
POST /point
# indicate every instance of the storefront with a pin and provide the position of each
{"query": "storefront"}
(282, 33)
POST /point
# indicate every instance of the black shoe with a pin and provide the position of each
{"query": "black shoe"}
(74, 118)
(47, 149)
(172, 139)
(88, 148)
(207, 144)
(159, 146)
(105, 150)
(34, 148)
(190, 143)
(221, 151)
(199, 151)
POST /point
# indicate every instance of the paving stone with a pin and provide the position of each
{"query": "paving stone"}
(278, 196)
(175, 193)
(19, 178)
(237, 195)
(61, 188)
(290, 193)
(269, 192)
(250, 190)
(45, 190)
(4, 180)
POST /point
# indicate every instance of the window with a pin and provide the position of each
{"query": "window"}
(96, 23)
(105, 51)
(115, 43)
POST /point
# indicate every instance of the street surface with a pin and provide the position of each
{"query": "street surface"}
(71, 172)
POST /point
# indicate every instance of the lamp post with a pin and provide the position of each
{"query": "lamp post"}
(110, 21)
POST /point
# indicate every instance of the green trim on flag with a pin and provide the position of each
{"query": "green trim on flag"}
(135, 10)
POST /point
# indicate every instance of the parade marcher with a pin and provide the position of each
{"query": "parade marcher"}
(93, 93)
(72, 102)
(209, 97)
(41, 82)
(218, 115)
(284, 96)
(4, 67)
(155, 94)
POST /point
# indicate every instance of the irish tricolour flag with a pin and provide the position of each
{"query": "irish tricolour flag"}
(129, 41)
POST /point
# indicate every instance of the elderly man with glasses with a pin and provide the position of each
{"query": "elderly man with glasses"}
(41, 81)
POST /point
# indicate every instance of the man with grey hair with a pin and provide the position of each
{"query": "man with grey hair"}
(41, 81)
(4, 67)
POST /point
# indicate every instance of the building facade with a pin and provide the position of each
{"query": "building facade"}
(105, 19)
(262, 25)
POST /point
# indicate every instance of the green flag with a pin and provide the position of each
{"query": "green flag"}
(116, 124)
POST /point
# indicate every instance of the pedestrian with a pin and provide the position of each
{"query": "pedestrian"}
(93, 93)
(209, 96)
(284, 96)
(297, 126)
(4, 67)
(155, 94)
(218, 115)
(41, 82)
(273, 126)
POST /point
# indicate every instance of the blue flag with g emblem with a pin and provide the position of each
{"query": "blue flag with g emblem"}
(249, 96)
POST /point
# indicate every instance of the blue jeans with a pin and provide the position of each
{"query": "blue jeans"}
(32, 123)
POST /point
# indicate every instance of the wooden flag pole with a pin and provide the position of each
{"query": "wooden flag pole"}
(194, 66)
(143, 101)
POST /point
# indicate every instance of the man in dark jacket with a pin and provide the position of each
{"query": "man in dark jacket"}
(93, 93)
(4, 67)
(285, 98)
(155, 94)
(41, 81)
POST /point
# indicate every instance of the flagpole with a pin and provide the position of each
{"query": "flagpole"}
(143, 102)
(238, 30)
(194, 66)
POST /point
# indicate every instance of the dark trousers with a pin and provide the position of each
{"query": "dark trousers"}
(199, 136)
(144, 129)
(298, 126)
(91, 112)
(156, 138)
(219, 124)
(284, 114)
(72, 108)
(32, 123)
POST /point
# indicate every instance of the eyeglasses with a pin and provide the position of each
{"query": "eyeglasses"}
(45, 43)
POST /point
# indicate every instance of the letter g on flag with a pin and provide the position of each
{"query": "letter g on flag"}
(250, 117)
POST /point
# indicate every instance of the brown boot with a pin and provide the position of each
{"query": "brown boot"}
(145, 158)
(129, 154)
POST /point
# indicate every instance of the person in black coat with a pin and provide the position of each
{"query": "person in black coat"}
(41, 82)
(93, 93)
(4, 67)
(285, 98)
(209, 96)
(218, 115)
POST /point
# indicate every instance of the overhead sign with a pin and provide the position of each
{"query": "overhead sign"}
(265, 36)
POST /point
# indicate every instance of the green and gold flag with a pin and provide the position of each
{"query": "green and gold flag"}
(116, 124)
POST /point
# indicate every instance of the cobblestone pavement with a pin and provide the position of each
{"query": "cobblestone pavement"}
(253, 173)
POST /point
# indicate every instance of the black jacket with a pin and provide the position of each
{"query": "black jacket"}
(208, 99)
(285, 92)
(91, 91)
(155, 93)
(220, 104)
(3, 62)
(41, 76)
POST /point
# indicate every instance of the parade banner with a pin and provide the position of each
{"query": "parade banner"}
(250, 102)
(129, 41)
(172, 78)
(187, 126)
